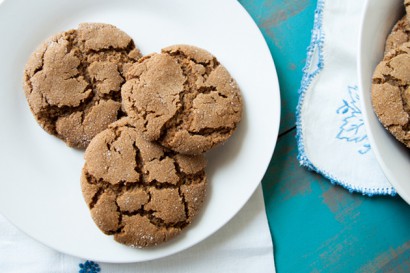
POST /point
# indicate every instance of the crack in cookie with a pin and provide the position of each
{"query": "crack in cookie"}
(399, 35)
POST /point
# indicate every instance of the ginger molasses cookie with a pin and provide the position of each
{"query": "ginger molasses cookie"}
(73, 80)
(391, 92)
(183, 98)
(399, 35)
(138, 191)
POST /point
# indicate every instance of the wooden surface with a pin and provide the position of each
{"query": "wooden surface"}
(316, 226)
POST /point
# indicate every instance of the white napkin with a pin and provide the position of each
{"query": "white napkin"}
(243, 245)
(331, 134)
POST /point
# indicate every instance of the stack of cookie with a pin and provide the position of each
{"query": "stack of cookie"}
(145, 123)
(391, 81)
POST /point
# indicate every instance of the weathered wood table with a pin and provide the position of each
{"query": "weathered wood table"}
(316, 226)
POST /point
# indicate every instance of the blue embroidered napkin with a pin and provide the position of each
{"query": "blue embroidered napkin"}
(331, 134)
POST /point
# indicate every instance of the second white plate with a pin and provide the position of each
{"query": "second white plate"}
(378, 19)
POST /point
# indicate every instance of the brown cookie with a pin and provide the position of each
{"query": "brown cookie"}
(399, 35)
(73, 80)
(407, 7)
(391, 92)
(183, 98)
(138, 191)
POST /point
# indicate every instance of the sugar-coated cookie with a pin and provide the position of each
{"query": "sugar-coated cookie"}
(182, 98)
(391, 92)
(73, 80)
(138, 191)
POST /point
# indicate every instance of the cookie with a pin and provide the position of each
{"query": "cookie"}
(73, 80)
(399, 35)
(182, 98)
(407, 7)
(391, 92)
(138, 191)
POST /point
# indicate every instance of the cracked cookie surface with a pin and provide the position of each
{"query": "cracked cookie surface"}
(138, 191)
(391, 92)
(72, 81)
(182, 98)
(399, 35)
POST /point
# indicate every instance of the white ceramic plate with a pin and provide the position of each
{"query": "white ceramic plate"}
(39, 178)
(378, 19)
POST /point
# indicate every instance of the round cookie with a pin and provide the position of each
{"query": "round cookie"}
(138, 191)
(183, 98)
(73, 80)
(391, 92)
(399, 35)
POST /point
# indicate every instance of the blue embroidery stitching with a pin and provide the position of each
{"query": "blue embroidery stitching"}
(89, 267)
(353, 129)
